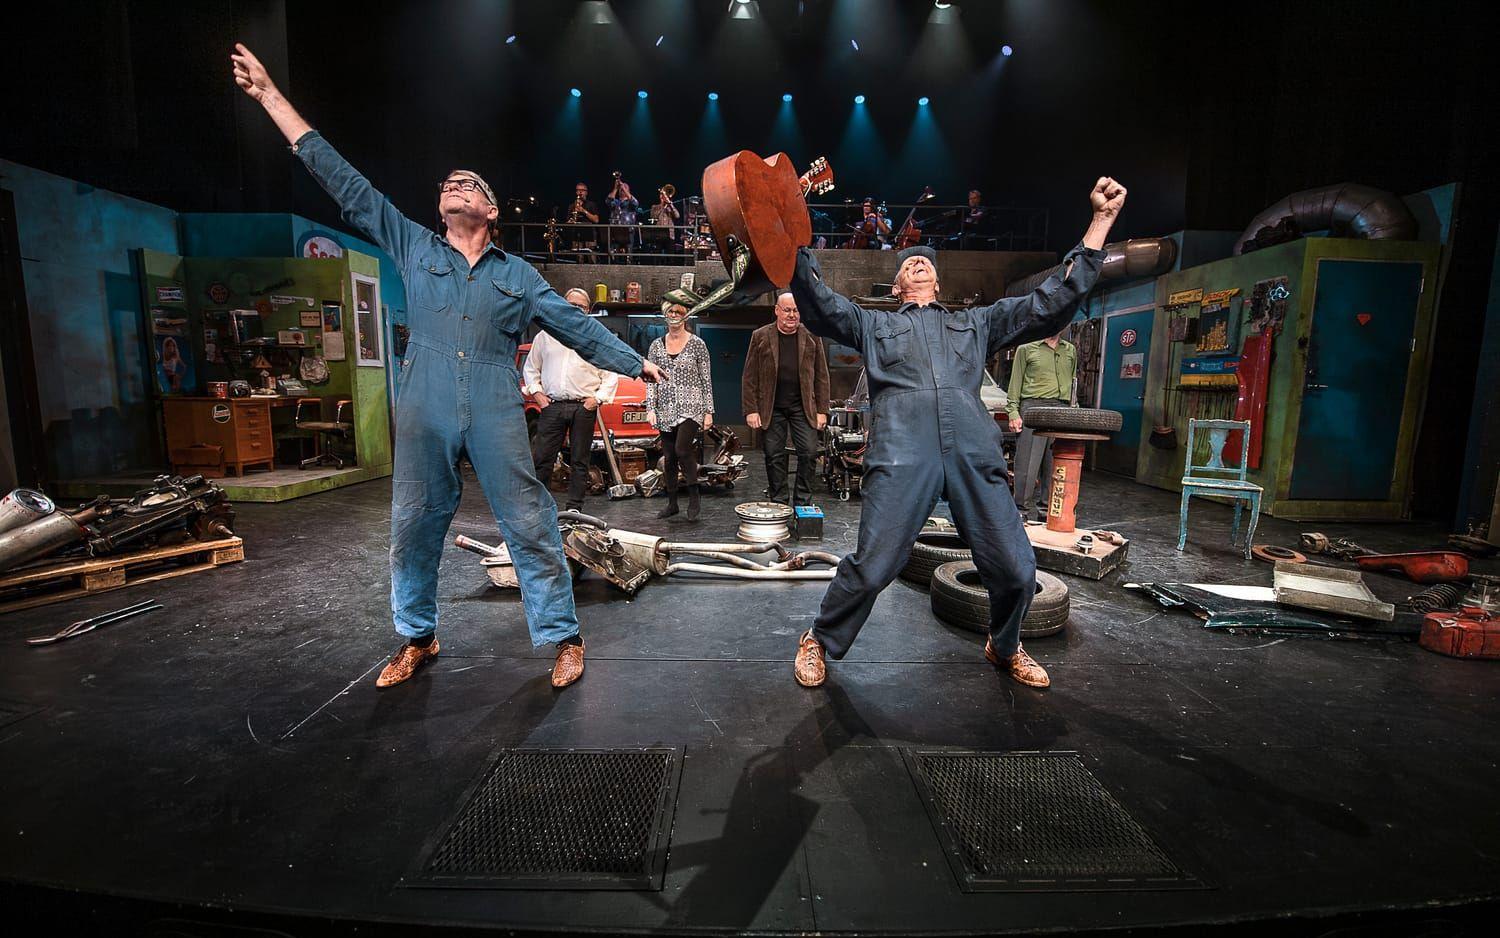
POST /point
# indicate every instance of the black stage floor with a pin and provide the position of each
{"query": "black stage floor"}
(232, 753)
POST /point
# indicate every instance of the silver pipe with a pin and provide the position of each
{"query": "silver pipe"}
(38, 539)
(479, 547)
(734, 559)
(736, 547)
(762, 574)
(22, 507)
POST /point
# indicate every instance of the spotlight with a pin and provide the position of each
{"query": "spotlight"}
(641, 94)
(713, 96)
(859, 99)
(942, 4)
(922, 101)
(744, 1)
(787, 98)
(575, 92)
(854, 44)
(510, 39)
(1006, 51)
(660, 38)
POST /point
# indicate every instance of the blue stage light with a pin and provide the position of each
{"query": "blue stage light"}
(1006, 51)
(510, 39)
(575, 92)
(859, 99)
(713, 96)
(922, 101)
(787, 98)
(854, 44)
(659, 39)
(641, 94)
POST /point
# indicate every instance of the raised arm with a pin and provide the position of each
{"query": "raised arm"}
(561, 319)
(362, 205)
(1052, 304)
(825, 312)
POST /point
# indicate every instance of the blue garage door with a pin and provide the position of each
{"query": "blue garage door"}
(1127, 349)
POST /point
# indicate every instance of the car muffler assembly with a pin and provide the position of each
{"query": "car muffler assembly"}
(628, 558)
(22, 507)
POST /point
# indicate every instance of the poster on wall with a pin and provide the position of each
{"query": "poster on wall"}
(1217, 322)
(174, 365)
(1133, 365)
(367, 331)
(333, 332)
(319, 244)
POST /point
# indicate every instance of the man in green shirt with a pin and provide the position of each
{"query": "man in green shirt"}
(1040, 375)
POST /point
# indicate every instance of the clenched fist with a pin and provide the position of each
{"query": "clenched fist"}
(1107, 198)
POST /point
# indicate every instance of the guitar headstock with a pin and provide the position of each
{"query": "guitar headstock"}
(818, 179)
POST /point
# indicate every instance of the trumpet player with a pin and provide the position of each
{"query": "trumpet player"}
(623, 212)
(583, 212)
(664, 213)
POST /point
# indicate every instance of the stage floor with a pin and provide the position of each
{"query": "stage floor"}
(232, 752)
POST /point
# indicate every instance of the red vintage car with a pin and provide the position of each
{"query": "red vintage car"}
(625, 416)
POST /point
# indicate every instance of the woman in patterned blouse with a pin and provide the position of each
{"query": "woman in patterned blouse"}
(681, 406)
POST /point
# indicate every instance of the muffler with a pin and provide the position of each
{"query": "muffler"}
(22, 507)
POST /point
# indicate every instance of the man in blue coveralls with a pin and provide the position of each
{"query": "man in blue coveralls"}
(469, 302)
(931, 435)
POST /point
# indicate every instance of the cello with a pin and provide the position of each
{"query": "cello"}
(910, 234)
(761, 205)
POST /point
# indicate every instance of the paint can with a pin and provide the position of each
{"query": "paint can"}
(633, 291)
(615, 296)
(601, 292)
(687, 281)
(218, 389)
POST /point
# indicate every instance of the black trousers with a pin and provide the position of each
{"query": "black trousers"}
(680, 447)
(573, 421)
(793, 422)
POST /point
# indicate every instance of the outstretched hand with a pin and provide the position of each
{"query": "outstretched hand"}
(1107, 198)
(250, 75)
(650, 372)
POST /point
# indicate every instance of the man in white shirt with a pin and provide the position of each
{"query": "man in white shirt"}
(569, 391)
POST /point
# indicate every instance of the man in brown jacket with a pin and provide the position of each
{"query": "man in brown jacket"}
(785, 390)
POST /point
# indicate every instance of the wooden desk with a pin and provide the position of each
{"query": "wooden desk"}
(205, 434)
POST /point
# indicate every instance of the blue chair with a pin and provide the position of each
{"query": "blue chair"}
(1215, 478)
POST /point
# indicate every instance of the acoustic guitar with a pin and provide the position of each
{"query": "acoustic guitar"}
(761, 204)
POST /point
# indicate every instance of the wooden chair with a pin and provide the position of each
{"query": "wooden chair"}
(326, 431)
(1215, 478)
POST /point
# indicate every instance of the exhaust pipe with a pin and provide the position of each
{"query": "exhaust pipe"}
(1138, 257)
(51, 533)
(22, 507)
(1348, 209)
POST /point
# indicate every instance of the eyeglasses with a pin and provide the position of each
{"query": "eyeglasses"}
(461, 185)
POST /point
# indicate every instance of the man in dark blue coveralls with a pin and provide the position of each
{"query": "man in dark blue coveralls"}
(931, 435)
(469, 304)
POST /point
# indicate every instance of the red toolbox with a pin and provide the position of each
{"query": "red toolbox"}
(1467, 633)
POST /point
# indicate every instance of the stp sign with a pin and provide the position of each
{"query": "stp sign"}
(1127, 338)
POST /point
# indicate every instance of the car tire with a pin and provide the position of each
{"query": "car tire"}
(931, 550)
(958, 599)
(1072, 419)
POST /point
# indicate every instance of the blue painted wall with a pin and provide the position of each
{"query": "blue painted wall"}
(84, 292)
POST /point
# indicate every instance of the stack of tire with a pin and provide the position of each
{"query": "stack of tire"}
(1073, 420)
(942, 562)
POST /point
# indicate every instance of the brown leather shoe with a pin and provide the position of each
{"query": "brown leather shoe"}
(1020, 666)
(569, 665)
(809, 667)
(405, 664)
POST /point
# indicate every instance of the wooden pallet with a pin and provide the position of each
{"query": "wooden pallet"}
(68, 579)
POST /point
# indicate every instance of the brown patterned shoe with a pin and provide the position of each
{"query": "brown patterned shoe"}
(405, 664)
(809, 667)
(1020, 666)
(569, 665)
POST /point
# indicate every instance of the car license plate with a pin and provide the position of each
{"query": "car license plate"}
(633, 416)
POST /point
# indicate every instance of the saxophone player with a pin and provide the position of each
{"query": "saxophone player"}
(582, 214)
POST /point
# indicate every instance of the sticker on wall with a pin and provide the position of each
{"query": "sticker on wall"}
(309, 317)
(319, 244)
(169, 294)
(221, 413)
(1363, 318)
(1133, 365)
(174, 365)
(1127, 338)
(218, 292)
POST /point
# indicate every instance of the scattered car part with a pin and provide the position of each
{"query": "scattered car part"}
(1073, 419)
(1110, 537)
(1315, 542)
(46, 535)
(1468, 633)
(1270, 553)
(1329, 589)
(497, 562)
(1084, 544)
(1435, 597)
(1473, 545)
(933, 548)
(1484, 593)
(764, 521)
(959, 598)
(88, 625)
(650, 482)
(1426, 566)
(22, 507)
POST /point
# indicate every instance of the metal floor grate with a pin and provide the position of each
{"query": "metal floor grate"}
(1035, 822)
(560, 819)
